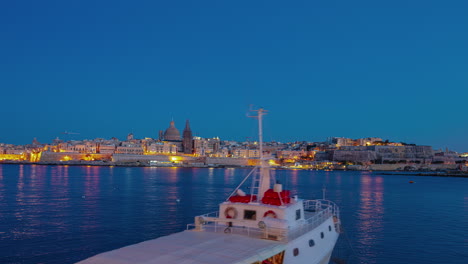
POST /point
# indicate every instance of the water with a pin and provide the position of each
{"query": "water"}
(63, 214)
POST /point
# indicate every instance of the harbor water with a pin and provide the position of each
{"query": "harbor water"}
(63, 214)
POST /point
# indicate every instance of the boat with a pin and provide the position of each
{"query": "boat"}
(267, 226)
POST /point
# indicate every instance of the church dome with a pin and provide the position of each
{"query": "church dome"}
(172, 133)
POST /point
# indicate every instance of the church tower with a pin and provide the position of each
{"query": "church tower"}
(187, 140)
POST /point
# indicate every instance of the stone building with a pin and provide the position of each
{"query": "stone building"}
(362, 156)
(205, 146)
(162, 148)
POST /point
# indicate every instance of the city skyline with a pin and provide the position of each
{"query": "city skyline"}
(327, 69)
(176, 136)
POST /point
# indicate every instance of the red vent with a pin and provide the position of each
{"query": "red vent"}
(243, 199)
(275, 198)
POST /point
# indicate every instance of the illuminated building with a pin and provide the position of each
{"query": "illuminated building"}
(246, 153)
(205, 146)
(161, 148)
(106, 149)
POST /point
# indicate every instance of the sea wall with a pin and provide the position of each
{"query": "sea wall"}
(397, 167)
(227, 161)
(72, 156)
(139, 158)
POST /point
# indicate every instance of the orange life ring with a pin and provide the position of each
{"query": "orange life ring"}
(230, 212)
(270, 213)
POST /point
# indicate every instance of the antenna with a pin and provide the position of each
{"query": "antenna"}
(260, 113)
(264, 179)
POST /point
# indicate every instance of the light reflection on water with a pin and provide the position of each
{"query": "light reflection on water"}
(61, 214)
(370, 213)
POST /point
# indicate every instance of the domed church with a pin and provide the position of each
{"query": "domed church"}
(172, 133)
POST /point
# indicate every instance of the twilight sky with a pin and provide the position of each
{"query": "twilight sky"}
(391, 69)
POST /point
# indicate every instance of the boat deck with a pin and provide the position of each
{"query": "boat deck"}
(192, 247)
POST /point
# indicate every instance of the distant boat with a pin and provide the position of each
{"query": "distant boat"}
(411, 181)
(267, 226)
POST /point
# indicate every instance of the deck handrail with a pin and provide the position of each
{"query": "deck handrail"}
(323, 210)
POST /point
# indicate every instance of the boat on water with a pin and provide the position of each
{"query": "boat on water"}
(267, 226)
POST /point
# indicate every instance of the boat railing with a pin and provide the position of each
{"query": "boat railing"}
(322, 210)
(319, 205)
(319, 211)
(223, 226)
(214, 214)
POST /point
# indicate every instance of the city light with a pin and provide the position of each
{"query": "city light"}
(66, 158)
(337, 153)
(175, 159)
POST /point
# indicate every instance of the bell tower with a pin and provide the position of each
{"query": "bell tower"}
(187, 140)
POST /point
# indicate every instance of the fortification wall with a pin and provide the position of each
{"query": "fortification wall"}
(227, 161)
(72, 156)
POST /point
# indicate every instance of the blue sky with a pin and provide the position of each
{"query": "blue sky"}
(391, 69)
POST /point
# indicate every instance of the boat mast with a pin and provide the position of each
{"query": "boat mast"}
(264, 179)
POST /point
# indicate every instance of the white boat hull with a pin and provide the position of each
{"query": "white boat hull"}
(321, 249)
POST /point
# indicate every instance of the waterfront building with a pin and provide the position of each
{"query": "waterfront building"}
(129, 148)
(367, 141)
(205, 146)
(341, 141)
(106, 149)
(223, 152)
(245, 153)
(161, 148)
(402, 154)
(80, 148)
(290, 154)
(77, 147)
(363, 156)
(15, 151)
(448, 157)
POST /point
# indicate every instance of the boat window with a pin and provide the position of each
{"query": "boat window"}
(250, 214)
(296, 252)
(329, 228)
(311, 243)
(321, 234)
(298, 214)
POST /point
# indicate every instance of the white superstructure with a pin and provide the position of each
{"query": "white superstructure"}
(267, 226)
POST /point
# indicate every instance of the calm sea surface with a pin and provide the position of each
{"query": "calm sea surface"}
(63, 214)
